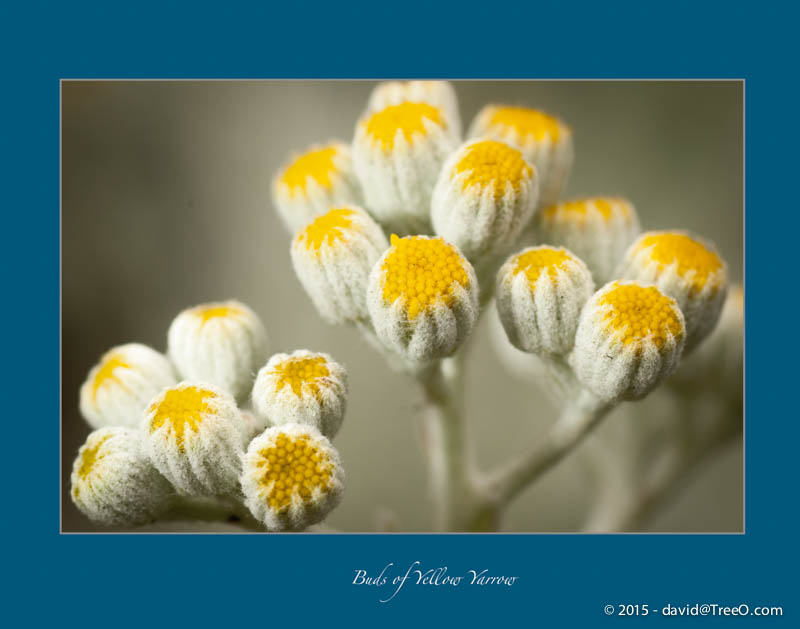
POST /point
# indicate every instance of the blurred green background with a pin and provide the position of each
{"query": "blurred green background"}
(166, 203)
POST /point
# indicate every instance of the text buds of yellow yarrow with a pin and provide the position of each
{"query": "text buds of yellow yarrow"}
(484, 197)
(545, 142)
(222, 343)
(440, 94)
(629, 338)
(313, 181)
(687, 269)
(302, 388)
(292, 477)
(422, 298)
(398, 153)
(333, 256)
(113, 481)
(540, 293)
(120, 386)
(195, 436)
(598, 230)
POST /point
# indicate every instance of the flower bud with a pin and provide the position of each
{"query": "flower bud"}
(113, 481)
(333, 256)
(195, 435)
(291, 477)
(687, 269)
(119, 387)
(544, 141)
(597, 230)
(302, 388)
(221, 343)
(423, 298)
(485, 196)
(313, 181)
(397, 153)
(540, 294)
(438, 93)
(630, 337)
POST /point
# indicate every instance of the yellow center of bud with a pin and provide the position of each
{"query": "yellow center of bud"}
(493, 164)
(294, 466)
(110, 363)
(214, 311)
(326, 229)
(318, 164)
(528, 123)
(639, 312)
(696, 263)
(90, 456)
(540, 260)
(296, 372)
(180, 409)
(422, 271)
(578, 211)
(407, 118)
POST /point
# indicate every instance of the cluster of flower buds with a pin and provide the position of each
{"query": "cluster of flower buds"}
(181, 425)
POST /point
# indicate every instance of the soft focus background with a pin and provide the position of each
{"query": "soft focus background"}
(166, 204)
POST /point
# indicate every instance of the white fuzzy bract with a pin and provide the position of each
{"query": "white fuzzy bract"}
(629, 338)
(194, 434)
(598, 230)
(222, 343)
(333, 256)
(544, 141)
(397, 154)
(291, 477)
(486, 194)
(540, 293)
(302, 388)
(313, 181)
(113, 481)
(686, 268)
(118, 388)
(438, 93)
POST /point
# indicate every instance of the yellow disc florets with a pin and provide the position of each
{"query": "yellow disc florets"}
(695, 262)
(319, 164)
(638, 312)
(89, 458)
(110, 363)
(493, 164)
(578, 211)
(299, 372)
(217, 311)
(527, 123)
(180, 408)
(406, 117)
(421, 271)
(293, 466)
(540, 260)
(327, 229)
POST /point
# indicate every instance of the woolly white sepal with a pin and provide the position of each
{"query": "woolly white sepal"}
(544, 141)
(686, 268)
(223, 343)
(118, 388)
(333, 256)
(302, 388)
(313, 181)
(195, 435)
(422, 298)
(291, 477)
(598, 230)
(629, 338)
(540, 293)
(486, 194)
(113, 481)
(397, 154)
(438, 93)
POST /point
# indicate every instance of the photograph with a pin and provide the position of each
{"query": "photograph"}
(402, 306)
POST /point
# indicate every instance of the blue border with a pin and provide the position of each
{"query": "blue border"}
(564, 580)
